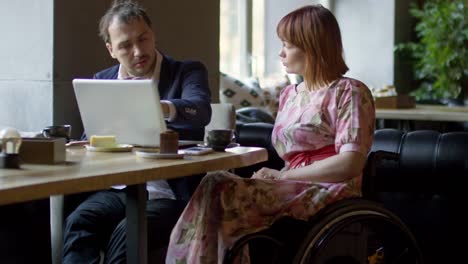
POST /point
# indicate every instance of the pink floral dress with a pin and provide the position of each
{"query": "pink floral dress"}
(311, 125)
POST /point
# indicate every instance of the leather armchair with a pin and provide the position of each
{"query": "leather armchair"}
(423, 182)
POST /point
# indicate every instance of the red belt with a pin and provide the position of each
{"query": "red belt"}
(307, 157)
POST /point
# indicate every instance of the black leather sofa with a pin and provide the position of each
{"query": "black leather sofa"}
(425, 184)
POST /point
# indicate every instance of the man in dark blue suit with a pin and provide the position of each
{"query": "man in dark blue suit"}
(98, 223)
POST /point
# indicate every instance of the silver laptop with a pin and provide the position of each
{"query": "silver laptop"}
(128, 109)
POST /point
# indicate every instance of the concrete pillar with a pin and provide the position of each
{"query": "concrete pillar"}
(26, 63)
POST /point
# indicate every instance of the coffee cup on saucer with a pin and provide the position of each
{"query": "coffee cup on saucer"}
(219, 139)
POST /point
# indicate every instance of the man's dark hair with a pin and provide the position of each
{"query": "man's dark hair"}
(125, 11)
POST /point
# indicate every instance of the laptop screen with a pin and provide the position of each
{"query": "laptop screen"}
(128, 109)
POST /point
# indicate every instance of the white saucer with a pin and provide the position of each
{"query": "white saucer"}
(231, 145)
(157, 155)
(118, 148)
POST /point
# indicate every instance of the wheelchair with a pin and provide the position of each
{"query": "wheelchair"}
(354, 230)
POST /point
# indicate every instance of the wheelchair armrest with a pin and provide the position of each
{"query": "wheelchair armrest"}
(373, 160)
(376, 157)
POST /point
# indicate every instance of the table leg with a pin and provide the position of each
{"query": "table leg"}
(137, 251)
(406, 125)
(56, 227)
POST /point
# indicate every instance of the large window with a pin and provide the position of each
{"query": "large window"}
(248, 42)
(249, 45)
(236, 31)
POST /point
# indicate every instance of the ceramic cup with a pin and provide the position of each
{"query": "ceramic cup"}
(57, 131)
(219, 139)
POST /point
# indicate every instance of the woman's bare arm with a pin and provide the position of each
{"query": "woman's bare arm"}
(337, 168)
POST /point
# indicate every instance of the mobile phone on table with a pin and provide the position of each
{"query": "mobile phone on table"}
(197, 150)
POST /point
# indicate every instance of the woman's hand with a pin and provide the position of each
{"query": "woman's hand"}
(267, 173)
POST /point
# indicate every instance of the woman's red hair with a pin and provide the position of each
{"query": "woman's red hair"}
(315, 31)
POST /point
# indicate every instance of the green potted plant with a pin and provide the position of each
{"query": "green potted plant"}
(440, 53)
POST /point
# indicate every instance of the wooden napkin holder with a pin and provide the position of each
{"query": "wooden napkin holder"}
(43, 150)
(395, 102)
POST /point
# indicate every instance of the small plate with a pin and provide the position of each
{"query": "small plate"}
(220, 148)
(118, 148)
(231, 145)
(157, 155)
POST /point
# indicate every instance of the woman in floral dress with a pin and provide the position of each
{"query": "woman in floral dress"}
(323, 131)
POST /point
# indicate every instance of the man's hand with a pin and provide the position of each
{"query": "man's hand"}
(165, 109)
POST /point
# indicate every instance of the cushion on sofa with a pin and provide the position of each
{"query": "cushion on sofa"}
(272, 87)
(251, 93)
(239, 94)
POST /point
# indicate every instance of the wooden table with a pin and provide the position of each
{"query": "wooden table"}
(406, 117)
(89, 171)
(426, 113)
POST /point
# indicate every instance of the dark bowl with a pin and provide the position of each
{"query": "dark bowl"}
(57, 131)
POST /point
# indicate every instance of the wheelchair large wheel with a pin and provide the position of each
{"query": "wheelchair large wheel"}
(358, 231)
